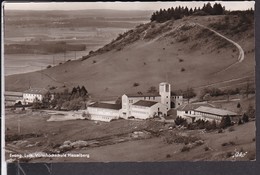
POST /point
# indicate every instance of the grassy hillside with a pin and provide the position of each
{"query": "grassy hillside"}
(180, 52)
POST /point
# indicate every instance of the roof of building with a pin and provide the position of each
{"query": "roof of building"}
(164, 83)
(215, 111)
(144, 95)
(36, 91)
(12, 93)
(192, 106)
(145, 103)
(106, 105)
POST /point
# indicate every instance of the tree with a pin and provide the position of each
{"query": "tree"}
(119, 101)
(208, 9)
(225, 122)
(247, 89)
(191, 11)
(36, 104)
(206, 97)
(245, 118)
(211, 125)
(240, 122)
(74, 90)
(189, 93)
(250, 111)
(136, 84)
(83, 91)
(218, 9)
(152, 89)
(180, 121)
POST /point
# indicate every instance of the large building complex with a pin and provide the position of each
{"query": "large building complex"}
(140, 106)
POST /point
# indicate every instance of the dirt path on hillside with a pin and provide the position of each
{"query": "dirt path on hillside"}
(241, 55)
(55, 80)
(240, 58)
(222, 82)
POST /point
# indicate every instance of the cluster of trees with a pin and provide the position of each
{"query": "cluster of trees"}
(250, 113)
(201, 124)
(152, 89)
(79, 92)
(74, 100)
(207, 93)
(187, 93)
(179, 12)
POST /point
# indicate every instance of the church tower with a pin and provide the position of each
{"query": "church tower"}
(165, 92)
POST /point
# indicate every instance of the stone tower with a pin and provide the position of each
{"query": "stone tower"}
(165, 92)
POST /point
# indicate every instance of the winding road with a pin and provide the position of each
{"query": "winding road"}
(241, 55)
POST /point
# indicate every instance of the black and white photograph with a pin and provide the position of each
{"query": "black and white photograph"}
(128, 81)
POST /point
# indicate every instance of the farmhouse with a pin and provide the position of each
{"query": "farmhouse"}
(104, 111)
(32, 94)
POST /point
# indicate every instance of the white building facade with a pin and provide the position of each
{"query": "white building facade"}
(148, 109)
(141, 106)
(163, 98)
(129, 100)
(210, 114)
(194, 112)
(104, 111)
(33, 94)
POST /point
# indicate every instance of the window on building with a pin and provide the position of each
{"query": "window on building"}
(166, 102)
(167, 88)
(186, 112)
(154, 98)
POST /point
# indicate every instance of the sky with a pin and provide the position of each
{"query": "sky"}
(234, 5)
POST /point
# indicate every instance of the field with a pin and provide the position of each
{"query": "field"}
(125, 140)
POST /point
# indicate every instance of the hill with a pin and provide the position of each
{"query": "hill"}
(195, 51)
